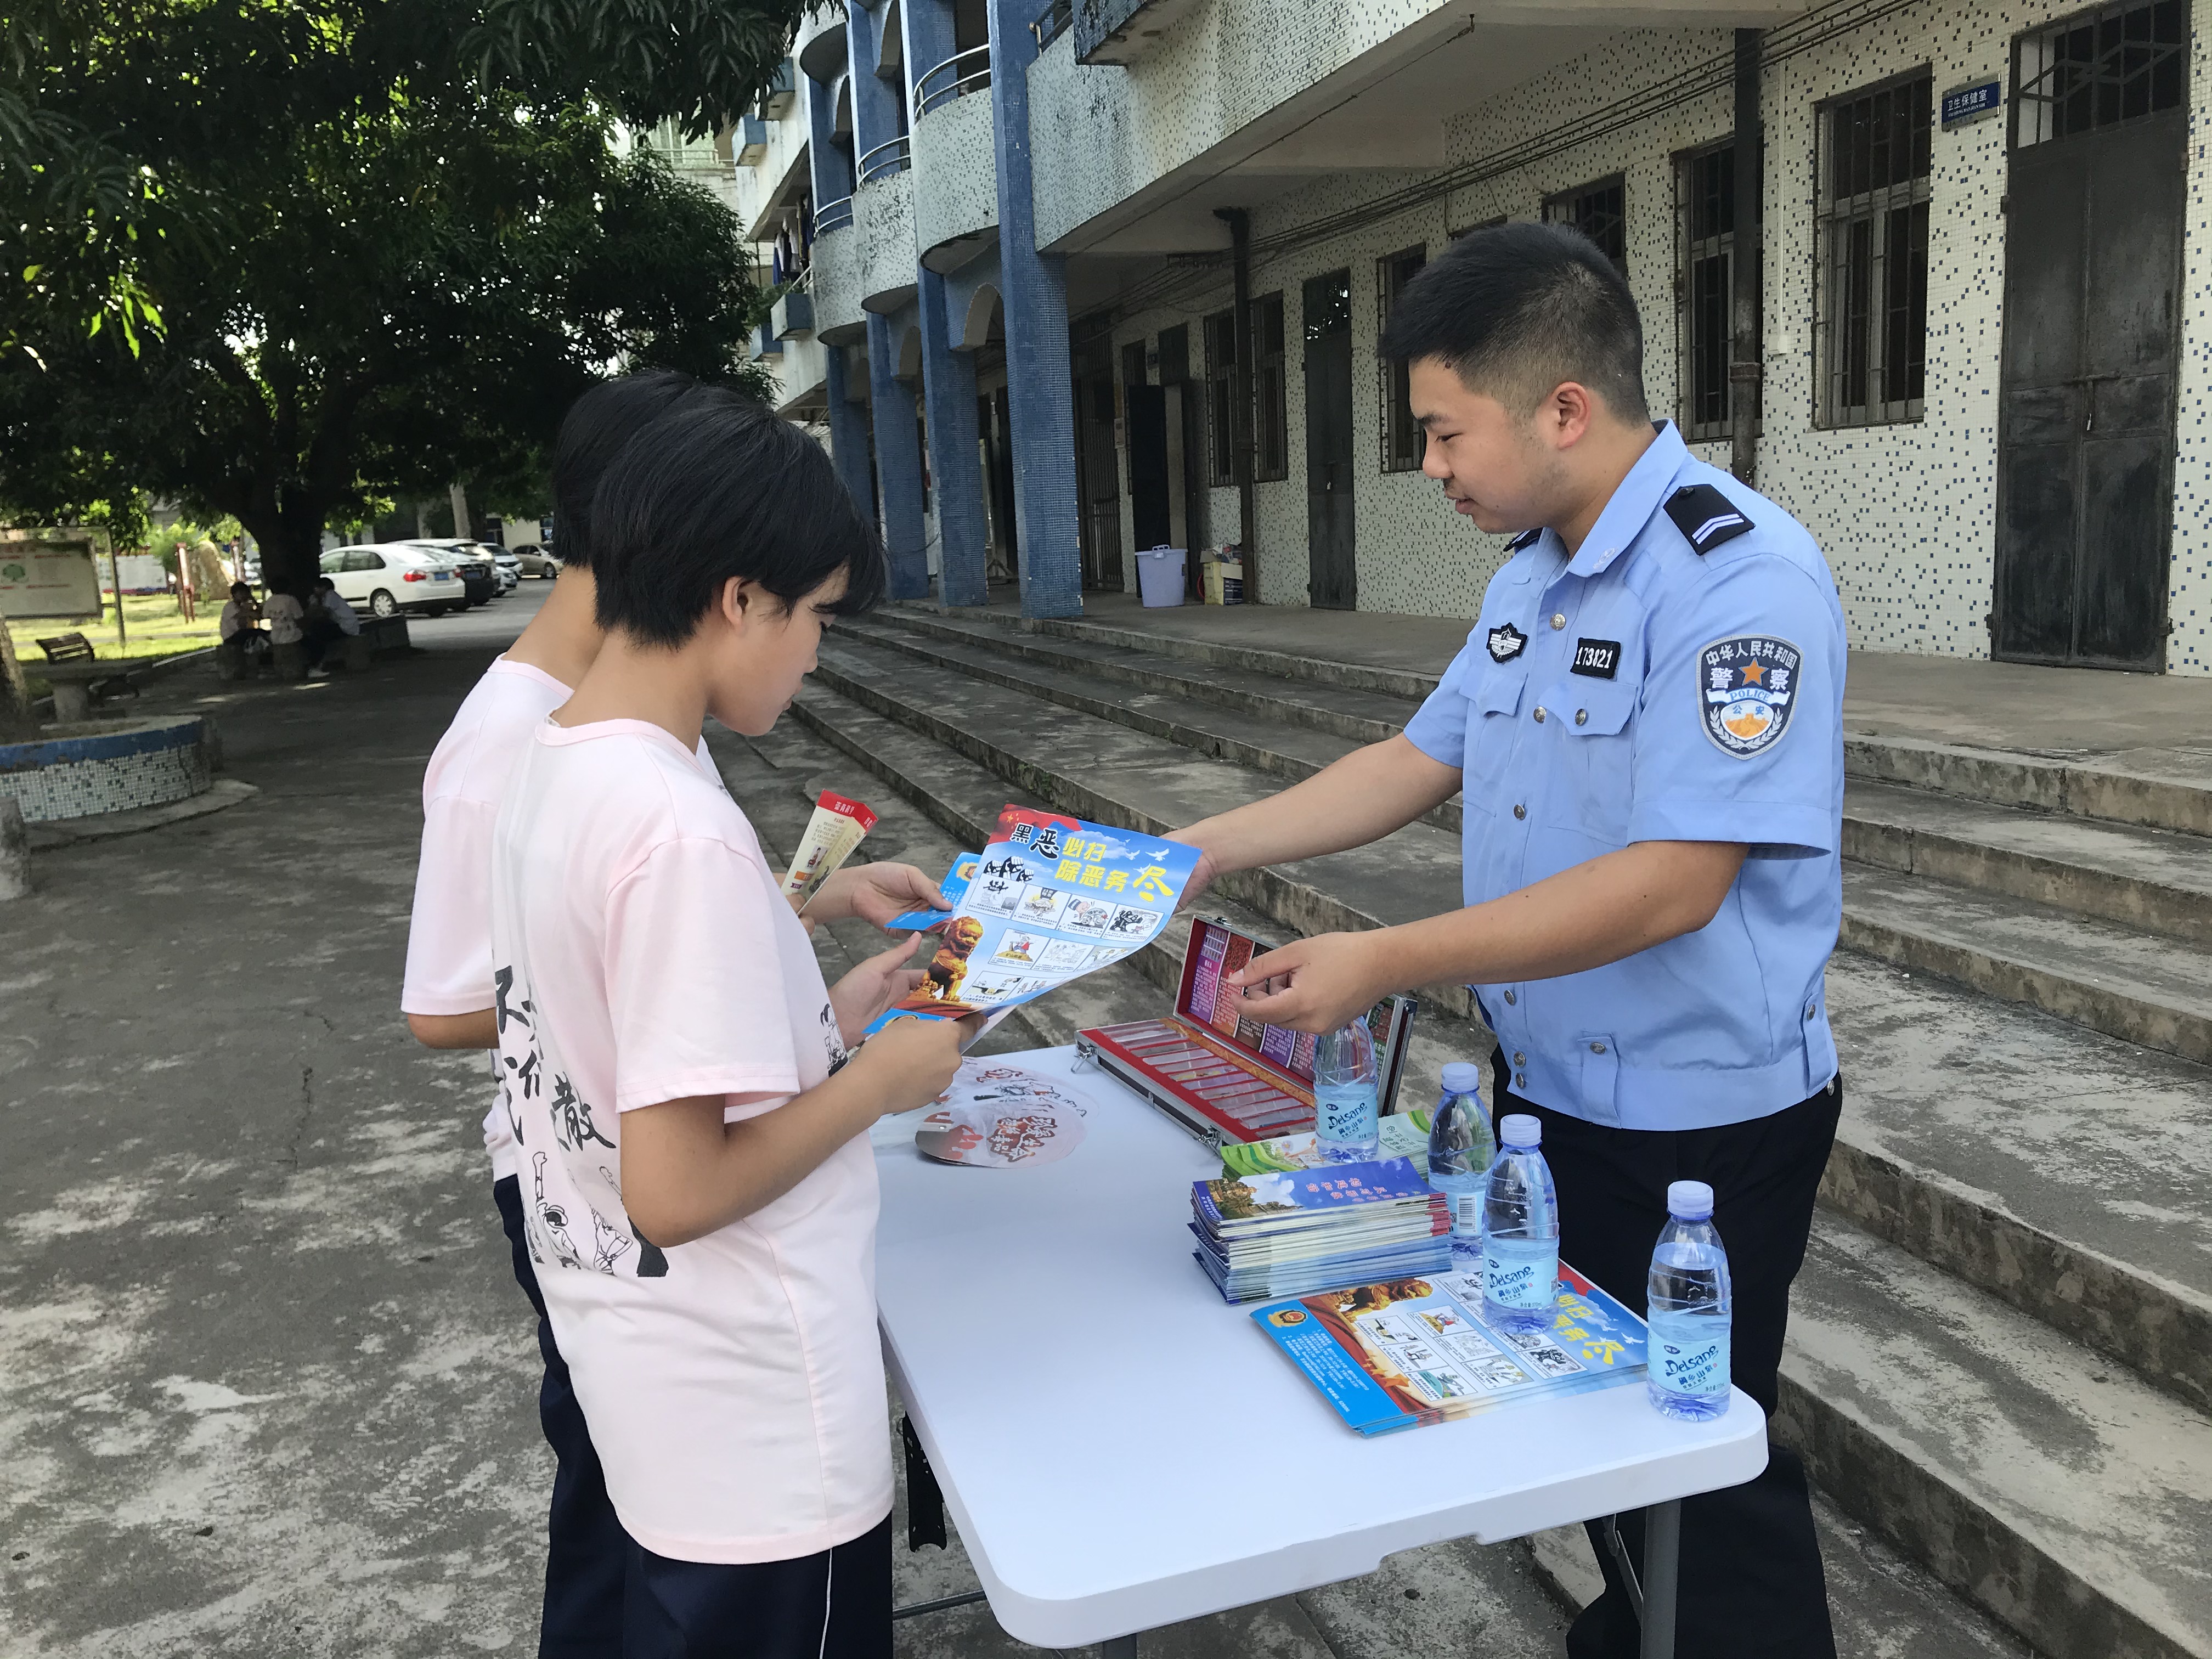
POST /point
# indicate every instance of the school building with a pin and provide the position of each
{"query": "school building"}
(1069, 282)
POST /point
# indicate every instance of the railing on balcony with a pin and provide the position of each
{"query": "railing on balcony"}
(1052, 22)
(884, 159)
(955, 77)
(833, 216)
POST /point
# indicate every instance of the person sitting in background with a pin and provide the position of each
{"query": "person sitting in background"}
(239, 617)
(285, 616)
(328, 620)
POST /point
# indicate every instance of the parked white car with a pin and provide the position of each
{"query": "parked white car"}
(508, 569)
(391, 577)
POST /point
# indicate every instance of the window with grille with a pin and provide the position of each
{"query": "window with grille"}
(1870, 304)
(1600, 211)
(1221, 399)
(1271, 447)
(1468, 230)
(1404, 442)
(1705, 287)
(2114, 65)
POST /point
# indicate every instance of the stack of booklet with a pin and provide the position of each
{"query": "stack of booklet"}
(1286, 1232)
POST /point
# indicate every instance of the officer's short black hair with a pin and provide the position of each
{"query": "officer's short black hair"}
(719, 488)
(593, 434)
(1516, 310)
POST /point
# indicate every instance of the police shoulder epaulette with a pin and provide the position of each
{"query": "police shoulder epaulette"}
(1705, 517)
(1527, 539)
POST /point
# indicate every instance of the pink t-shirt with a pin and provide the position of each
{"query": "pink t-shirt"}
(449, 934)
(643, 953)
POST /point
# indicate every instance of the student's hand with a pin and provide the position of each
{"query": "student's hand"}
(1318, 984)
(876, 894)
(872, 986)
(911, 1062)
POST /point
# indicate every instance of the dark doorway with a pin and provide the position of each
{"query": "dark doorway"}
(1334, 582)
(2092, 269)
(1097, 473)
(1151, 523)
(1186, 481)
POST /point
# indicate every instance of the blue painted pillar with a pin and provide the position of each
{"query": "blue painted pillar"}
(898, 465)
(1040, 397)
(955, 474)
(848, 432)
(832, 169)
(878, 105)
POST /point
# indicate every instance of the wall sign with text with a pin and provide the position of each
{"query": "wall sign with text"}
(1975, 101)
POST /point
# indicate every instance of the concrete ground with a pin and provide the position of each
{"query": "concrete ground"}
(265, 1382)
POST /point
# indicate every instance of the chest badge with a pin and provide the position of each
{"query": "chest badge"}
(1599, 660)
(1506, 642)
(1746, 691)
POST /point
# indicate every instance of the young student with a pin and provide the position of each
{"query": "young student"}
(448, 995)
(684, 1094)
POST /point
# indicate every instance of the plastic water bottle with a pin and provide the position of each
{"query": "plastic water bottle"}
(1520, 1230)
(1460, 1153)
(1687, 1309)
(1345, 1127)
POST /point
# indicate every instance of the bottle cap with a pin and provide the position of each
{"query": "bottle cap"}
(1689, 1200)
(1521, 1130)
(1462, 1078)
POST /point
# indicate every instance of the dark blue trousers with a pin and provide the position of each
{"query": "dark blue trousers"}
(586, 1551)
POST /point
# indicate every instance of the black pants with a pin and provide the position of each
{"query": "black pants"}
(836, 1605)
(1751, 1578)
(586, 1551)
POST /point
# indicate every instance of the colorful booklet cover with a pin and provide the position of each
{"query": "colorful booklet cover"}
(1408, 1352)
(1052, 898)
(1401, 1134)
(1286, 1200)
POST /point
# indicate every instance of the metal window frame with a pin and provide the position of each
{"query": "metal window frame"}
(1688, 251)
(2024, 104)
(1833, 221)
(1272, 401)
(1561, 209)
(1393, 378)
(1220, 397)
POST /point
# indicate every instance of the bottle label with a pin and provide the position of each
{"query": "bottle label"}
(1467, 1214)
(1519, 1280)
(1346, 1112)
(1697, 1366)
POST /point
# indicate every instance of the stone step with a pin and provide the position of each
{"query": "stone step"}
(2149, 787)
(1104, 771)
(2155, 992)
(1931, 1133)
(2159, 881)
(2047, 1486)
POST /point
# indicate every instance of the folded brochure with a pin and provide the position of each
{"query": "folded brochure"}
(835, 830)
(1404, 1352)
(1052, 898)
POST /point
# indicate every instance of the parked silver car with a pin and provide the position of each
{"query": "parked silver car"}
(537, 560)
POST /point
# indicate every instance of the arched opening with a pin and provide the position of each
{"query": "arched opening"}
(909, 354)
(986, 321)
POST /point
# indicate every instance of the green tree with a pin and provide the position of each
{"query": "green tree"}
(279, 257)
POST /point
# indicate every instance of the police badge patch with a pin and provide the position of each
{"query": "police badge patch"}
(1505, 643)
(1747, 688)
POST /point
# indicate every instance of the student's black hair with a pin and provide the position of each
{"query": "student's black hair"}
(717, 488)
(592, 433)
(241, 587)
(1517, 309)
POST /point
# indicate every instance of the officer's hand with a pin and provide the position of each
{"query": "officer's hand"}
(1318, 984)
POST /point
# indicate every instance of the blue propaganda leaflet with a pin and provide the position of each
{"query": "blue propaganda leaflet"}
(1409, 1352)
(1050, 899)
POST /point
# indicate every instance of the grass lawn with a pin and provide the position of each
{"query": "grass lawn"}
(155, 628)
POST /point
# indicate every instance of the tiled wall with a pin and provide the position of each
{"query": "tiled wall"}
(1906, 511)
(147, 767)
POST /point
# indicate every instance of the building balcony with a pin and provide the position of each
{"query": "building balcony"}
(749, 138)
(1121, 31)
(780, 95)
(833, 279)
(792, 316)
(882, 219)
(765, 342)
(954, 160)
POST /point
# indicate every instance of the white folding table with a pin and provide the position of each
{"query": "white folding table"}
(1083, 1394)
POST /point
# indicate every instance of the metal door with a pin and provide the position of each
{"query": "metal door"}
(1334, 581)
(1148, 464)
(1099, 474)
(2092, 269)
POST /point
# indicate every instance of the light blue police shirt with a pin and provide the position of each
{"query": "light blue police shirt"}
(1680, 678)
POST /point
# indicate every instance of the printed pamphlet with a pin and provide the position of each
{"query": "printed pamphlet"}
(831, 834)
(1052, 898)
(1413, 1350)
(953, 886)
(997, 1116)
(1404, 1134)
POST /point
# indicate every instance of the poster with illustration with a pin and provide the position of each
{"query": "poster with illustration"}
(1051, 898)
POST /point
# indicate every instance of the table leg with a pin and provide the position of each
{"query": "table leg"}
(1121, 1647)
(1663, 1553)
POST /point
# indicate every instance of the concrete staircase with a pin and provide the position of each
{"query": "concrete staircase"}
(2000, 1360)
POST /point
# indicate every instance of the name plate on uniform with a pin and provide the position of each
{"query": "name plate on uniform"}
(1972, 102)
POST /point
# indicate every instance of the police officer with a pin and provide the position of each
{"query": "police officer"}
(1645, 728)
